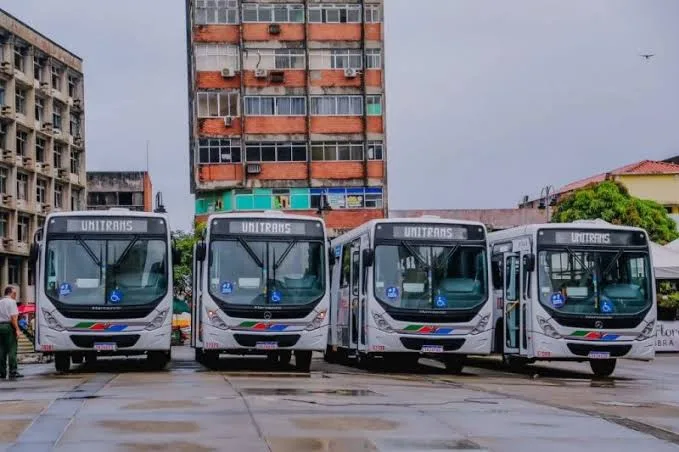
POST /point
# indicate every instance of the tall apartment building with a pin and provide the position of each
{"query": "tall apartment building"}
(42, 160)
(287, 108)
(119, 189)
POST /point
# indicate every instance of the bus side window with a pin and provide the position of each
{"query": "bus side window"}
(346, 266)
(496, 267)
(512, 279)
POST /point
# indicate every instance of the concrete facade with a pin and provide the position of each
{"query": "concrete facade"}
(42, 137)
(494, 219)
(127, 189)
(287, 108)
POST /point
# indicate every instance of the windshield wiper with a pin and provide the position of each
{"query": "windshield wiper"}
(416, 255)
(277, 263)
(613, 261)
(252, 254)
(89, 251)
(446, 257)
(125, 252)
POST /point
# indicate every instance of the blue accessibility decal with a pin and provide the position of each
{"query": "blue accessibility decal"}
(227, 288)
(607, 306)
(392, 293)
(65, 289)
(276, 297)
(440, 301)
(558, 300)
(116, 296)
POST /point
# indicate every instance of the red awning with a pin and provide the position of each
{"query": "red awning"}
(27, 309)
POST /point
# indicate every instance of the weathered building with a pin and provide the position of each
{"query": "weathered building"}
(127, 189)
(42, 160)
(287, 108)
(494, 219)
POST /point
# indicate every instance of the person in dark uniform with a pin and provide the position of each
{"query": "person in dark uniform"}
(9, 333)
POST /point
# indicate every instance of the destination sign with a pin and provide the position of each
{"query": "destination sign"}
(264, 227)
(428, 232)
(591, 238)
(106, 225)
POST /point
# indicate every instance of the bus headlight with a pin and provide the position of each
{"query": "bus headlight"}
(317, 321)
(548, 329)
(52, 323)
(381, 323)
(481, 326)
(648, 331)
(157, 321)
(217, 321)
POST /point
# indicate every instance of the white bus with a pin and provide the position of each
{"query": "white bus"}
(261, 287)
(404, 288)
(103, 286)
(580, 291)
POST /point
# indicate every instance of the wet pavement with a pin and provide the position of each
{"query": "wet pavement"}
(246, 406)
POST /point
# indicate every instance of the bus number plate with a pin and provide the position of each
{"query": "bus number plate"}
(266, 345)
(432, 348)
(599, 355)
(105, 346)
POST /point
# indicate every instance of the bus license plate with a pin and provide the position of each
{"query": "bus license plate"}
(432, 348)
(266, 345)
(105, 346)
(599, 355)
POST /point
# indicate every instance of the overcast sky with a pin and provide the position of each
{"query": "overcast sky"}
(486, 101)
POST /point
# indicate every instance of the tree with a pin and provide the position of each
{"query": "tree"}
(183, 271)
(611, 202)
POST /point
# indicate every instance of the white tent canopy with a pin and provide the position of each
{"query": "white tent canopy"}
(665, 261)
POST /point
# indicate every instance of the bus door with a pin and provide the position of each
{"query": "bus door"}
(512, 303)
(362, 298)
(354, 295)
(195, 297)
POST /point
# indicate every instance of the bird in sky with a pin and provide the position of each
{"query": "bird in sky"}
(647, 55)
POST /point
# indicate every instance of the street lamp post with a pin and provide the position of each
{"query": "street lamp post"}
(547, 200)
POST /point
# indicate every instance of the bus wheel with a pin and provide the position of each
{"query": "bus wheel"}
(210, 359)
(198, 355)
(157, 360)
(62, 361)
(91, 359)
(603, 367)
(284, 357)
(77, 358)
(330, 356)
(455, 363)
(515, 363)
(303, 360)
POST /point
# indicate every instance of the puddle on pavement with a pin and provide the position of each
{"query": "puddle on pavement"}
(344, 423)
(150, 427)
(264, 375)
(161, 405)
(320, 445)
(602, 383)
(10, 429)
(303, 392)
(174, 446)
(430, 445)
(623, 404)
(22, 407)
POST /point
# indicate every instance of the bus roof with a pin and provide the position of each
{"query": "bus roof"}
(532, 229)
(107, 213)
(269, 214)
(425, 219)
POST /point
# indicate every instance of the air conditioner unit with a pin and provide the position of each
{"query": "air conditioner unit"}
(63, 172)
(6, 67)
(28, 161)
(274, 29)
(277, 76)
(7, 242)
(7, 199)
(350, 72)
(45, 87)
(261, 73)
(228, 120)
(47, 127)
(46, 208)
(7, 110)
(77, 106)
(78, 142)
(254, 168)
(228, 73)
(8, 155)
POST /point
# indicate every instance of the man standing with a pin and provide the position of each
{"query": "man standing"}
(9, 333)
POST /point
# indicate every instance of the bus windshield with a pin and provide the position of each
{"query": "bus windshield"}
(594, 282)
(410, 276)
(117, 271)
(260, 272)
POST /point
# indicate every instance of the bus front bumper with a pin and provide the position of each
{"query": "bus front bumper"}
(477, 344)
(133, 342)
(257, 342)
(547, 348)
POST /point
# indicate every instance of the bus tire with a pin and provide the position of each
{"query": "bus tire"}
(284, 357)
(77, 358)
(303, 360)
(91, 359)
(330, 356)
(455, 363)
(198, 355)
(602, 367)
(62, 361)
(157, 359)
(210, 359)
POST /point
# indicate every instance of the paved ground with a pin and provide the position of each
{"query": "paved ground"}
(243, 407)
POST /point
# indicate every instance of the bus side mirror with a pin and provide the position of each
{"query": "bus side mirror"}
(200, 252)
(331, 257)
(529, 262)
(368, 258)
(176, 256)
(34, 253)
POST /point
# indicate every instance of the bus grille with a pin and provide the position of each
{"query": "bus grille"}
(88, 341)
(250, 340)
(614, 350)
(416, 343)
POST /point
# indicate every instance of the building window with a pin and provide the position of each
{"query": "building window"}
(22, 186)
(215, 57)
(56, 78)
(335, 14)
(275, 106)
(375, 150)
(74, 128)
(40, 145)
(218, 151)
(2, 93)
(20, 104)
(39, 109)
(374, 105)
(4, 176)
(22, 142)
(38, 68)
(73, 84)
(58, 196)
(75, 162)
(4, 225)
(58, 153)
(23, 228)
(373, 14)
(333, 150)
(373, 59)
(275, 152)
(214, 104)
(348, 58)
(19, 59)
(216, 12)
(274, 59)
(75, 199)
(41, 191)
(280, 13)
(3, 136)
(289, 59)
(348, 198)
(337, 106)
(57, 115)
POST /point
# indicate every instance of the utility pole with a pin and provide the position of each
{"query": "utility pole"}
(547, 200)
